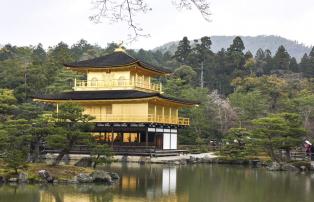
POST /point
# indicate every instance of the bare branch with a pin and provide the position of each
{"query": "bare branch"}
(202, 5)
(125, 10)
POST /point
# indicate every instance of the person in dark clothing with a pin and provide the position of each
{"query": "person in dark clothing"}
(312, 153)
(308, 147)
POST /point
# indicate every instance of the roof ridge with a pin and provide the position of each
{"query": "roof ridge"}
(109, 95)
(131, 56)
(116, 59)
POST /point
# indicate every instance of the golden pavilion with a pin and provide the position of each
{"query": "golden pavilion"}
(130, 110)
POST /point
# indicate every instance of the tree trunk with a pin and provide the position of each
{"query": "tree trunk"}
(202, 74)
(95, 162)
(288, 154)
(60, 156)
(35, 156)
(64, 152)
(272, 152)
(272, 155)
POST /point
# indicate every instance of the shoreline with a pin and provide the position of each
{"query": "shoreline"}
(205, 158)
(78, 170)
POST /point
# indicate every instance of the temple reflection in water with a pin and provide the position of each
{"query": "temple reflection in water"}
(157, 183)
(154, 184)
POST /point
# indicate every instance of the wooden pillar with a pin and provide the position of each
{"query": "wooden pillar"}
(112, 139)
(146, 137)
(155, 114)
(170, 116)
(163, 115)
(133, 84)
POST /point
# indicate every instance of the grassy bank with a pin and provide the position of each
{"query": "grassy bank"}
(60, 172)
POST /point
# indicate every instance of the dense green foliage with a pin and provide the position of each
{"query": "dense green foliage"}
(71, 127)
(252, 44)
(100, 154)
(277, 132)
(234, 88)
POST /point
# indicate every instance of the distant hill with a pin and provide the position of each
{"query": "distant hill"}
(272, 43)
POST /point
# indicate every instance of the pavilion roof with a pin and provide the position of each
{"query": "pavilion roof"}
(115, 59)
(110, 95)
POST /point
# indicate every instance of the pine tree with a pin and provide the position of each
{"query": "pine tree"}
(235, 53)
(248, 55)
(201, 55)
(276, 132)
(293, 66)
(260, 54)
(183, 51)
(282, 59)
(39, 55)
(309, 71)
(312, 53)
(71, 128)
(305, 65)
(260, 62)
(269, 63)
(237, 45)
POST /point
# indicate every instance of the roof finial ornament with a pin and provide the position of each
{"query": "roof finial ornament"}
(120, 47)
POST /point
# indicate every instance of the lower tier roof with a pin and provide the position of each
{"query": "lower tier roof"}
(110, 95)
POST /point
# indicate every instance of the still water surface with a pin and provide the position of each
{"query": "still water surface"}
(196, 183)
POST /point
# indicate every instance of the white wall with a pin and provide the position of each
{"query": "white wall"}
(173, 141)
(166, 141)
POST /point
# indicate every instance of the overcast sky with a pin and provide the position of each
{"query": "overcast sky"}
(29, 22)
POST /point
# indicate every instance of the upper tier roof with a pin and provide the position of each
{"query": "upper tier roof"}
(110, 95)
(116, 59)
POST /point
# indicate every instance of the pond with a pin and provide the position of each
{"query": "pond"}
(194, 183)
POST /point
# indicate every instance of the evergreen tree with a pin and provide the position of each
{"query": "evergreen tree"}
(71, 128)
(14, 139)
(260, 55)
(79, 49)
(201, 57)
(248, 55)
(260, 62)
(308, 64)
(39, 55)
(100, 154)
(312, 53)
(8, 52)
(237, 144)
(281, 59)
(276, 132)
(305, 65)
(235, 53)
(222, 72)
(7, 105)
(60, 54)
(237, 45)
(293, 66)
(250, 105)
(268, 62)
(183, 51)
(186, 74)
(250, 64)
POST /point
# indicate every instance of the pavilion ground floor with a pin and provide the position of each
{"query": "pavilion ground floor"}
(138, 138)
(135, 139)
